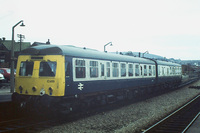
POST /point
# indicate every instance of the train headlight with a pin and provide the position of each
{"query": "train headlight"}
(50, 91)
(42, 92)
(20, 89)
(34, 89)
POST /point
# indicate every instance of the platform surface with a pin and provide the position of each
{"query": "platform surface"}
(5, 95)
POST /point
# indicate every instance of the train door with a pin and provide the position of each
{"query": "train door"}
(68, 74)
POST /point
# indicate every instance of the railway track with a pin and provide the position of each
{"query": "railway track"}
(27, 124)
(178, 121)
(188, 82)
(33, 124)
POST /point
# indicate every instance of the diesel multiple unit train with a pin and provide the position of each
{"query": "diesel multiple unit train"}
(67, 78)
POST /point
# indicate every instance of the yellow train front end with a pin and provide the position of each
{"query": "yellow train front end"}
(39, 79)
(40, 75)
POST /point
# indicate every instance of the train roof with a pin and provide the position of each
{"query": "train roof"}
(81, 53)
(167, 63)
(78, 52)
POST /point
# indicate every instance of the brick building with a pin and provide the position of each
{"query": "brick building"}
(5, 51)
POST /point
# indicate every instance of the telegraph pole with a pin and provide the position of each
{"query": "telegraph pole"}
(20, 40)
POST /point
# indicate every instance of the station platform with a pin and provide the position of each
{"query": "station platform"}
(195, 127)
(5, 95)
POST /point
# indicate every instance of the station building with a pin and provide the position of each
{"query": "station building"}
(5, 51)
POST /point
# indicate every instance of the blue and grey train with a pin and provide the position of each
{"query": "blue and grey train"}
(67, 77)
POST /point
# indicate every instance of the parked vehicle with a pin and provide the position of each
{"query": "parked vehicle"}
(6, 73)
(2, 79)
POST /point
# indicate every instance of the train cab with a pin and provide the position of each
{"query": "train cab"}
(40, 75)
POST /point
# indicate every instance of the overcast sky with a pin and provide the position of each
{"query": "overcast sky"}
(168, 28)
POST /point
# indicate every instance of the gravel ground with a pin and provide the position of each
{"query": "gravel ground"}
(131, 118)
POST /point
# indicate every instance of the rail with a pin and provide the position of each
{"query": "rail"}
(191, 123)
(175, 121)
(25, 125)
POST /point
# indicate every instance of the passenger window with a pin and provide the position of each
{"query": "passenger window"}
(67, 69)
(26, 68)
(150, 71)
(137, 71)
(154, 70)
(115, 69)
(80, 68)
(167, 71)
(163, 72)
(102, 69)
(145, 70)
(130, 70)
(108, 69)
(159, 70)
(170, 71)
(93, 69)
(47, 69)
(123, 70)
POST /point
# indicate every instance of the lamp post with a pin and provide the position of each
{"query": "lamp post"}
(106, 45)
(147, 52)
(12, 58)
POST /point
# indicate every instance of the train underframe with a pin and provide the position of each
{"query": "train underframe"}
(66, 104)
